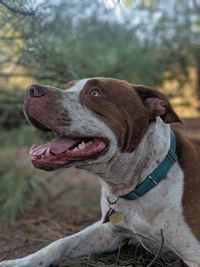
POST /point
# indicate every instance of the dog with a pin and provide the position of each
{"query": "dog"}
(131, 137)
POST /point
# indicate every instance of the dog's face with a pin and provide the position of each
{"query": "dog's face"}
(94, 118)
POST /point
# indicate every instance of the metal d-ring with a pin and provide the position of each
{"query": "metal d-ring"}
(112, 202)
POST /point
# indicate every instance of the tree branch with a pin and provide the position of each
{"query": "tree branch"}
(18, 11)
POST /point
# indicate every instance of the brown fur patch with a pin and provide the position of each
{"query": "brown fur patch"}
(189, 159)
(46, 109)
(120, 108)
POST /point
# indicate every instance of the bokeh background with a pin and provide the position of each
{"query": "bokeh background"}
(150, 42)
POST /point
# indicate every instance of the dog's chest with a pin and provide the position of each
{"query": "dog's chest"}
(154, 207)
(136, 220)
(140, 218)
(160, 210)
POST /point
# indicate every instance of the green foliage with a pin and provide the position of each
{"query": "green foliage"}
(66, 48)
(68, 40)
(20, 137)
(11, 108)
(16, 184)
(13, 192)
(15, 30)
(174, 28)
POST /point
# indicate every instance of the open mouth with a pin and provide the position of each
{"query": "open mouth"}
(64, 150)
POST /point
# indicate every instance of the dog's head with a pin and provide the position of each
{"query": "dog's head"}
(93, 118)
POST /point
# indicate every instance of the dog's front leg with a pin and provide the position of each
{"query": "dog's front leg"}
(97, 238)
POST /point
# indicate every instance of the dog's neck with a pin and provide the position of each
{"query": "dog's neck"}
(126, 170)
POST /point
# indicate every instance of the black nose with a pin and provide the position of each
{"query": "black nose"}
(35, 90)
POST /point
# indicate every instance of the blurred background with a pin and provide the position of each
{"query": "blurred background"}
(150, 42)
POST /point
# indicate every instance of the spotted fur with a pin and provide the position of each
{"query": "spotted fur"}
(139, 139)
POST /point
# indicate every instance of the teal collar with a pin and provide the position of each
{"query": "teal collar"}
(157, 175)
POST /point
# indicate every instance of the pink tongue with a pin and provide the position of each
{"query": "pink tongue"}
(57, 146)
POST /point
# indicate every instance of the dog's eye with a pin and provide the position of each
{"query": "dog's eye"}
(95, 92)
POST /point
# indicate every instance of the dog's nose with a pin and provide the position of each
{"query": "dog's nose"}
(35, 90)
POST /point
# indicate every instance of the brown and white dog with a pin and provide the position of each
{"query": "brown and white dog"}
(121, 132)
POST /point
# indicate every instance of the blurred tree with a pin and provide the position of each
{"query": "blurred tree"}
(21, 7)
(173, 26)
(74, 39)
(16, 28)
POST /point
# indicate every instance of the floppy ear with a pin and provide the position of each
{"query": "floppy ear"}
(157, 103)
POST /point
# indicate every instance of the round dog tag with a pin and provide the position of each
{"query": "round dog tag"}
(116, 218)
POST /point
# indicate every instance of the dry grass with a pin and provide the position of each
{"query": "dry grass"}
(127, 256)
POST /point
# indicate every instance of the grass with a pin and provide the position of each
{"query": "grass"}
(16, 185)
(128, 256)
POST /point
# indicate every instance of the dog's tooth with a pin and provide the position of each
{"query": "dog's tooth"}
(47, 152)
(75, 149)
(82, 145)
(89, 143)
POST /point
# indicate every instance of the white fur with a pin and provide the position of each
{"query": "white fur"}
(84, 123)
(145, 218)
(77, 87)
(161, 208)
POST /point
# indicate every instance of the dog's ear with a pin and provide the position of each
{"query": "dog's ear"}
(157, 103)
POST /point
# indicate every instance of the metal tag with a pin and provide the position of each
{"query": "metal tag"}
(116, 218)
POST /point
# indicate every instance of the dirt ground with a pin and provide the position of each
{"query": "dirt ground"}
(73, 203)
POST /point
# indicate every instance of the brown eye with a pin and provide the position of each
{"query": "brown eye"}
(95, 93)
